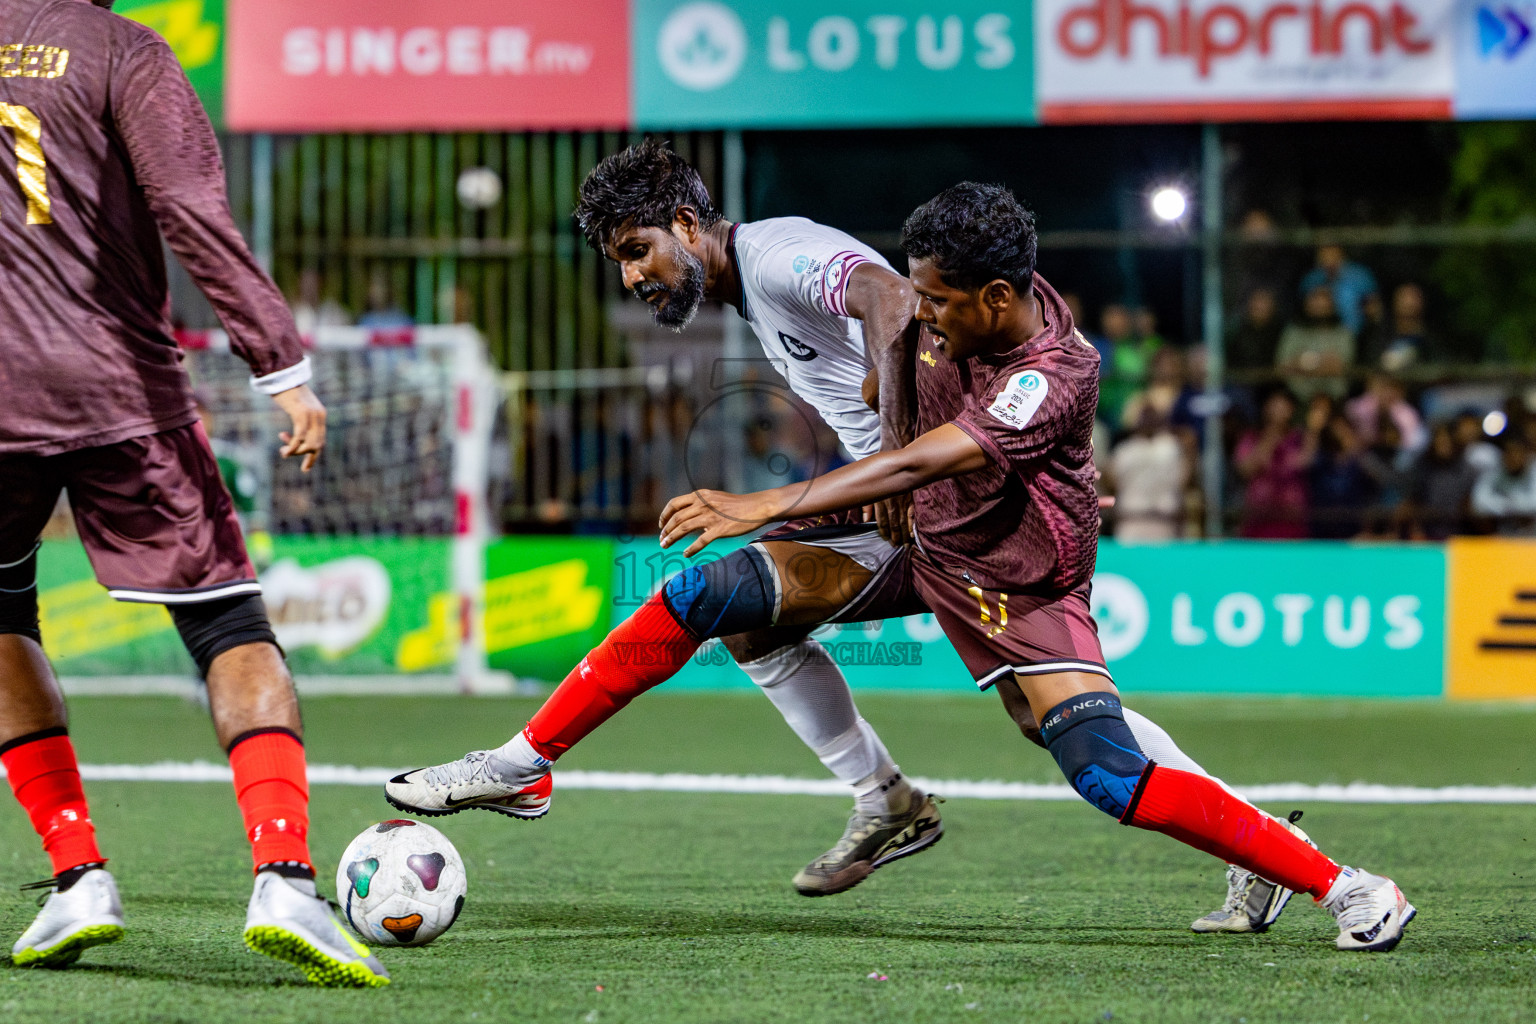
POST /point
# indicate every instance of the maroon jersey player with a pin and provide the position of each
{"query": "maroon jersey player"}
(1006, 523)
(111, 151)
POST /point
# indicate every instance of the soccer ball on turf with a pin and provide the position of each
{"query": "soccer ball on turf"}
(401, 883)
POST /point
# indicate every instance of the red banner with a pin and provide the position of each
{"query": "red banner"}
(426, 65)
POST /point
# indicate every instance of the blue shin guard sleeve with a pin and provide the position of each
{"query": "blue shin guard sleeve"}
(730, 595)
(1095, 750)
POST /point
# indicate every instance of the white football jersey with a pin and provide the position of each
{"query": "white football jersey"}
(794, 273)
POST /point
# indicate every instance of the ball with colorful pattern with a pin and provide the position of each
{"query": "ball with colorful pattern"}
(401, 883)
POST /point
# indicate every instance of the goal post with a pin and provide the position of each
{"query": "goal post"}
(411, 413)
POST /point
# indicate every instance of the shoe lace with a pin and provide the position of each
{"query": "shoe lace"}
(46, 885)
(1237, 889)
(859, 828)
(472, 767)
(1356, 908)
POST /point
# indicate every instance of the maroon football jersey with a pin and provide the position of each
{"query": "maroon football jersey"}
(1030, 519)
(105, 147)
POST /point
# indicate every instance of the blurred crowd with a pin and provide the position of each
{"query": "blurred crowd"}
(1323, 432)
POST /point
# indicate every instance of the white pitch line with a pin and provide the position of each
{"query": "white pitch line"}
(779, 785)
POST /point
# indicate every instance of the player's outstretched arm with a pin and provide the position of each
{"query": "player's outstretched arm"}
(885, 301)
(308, 415)
(938, 455)
(177, 165)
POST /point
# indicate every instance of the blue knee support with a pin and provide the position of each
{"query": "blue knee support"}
(730, 595)
(1095, 750)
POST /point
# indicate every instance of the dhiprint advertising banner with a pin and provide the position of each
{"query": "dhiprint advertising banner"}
(422, 65)
(726, 63)
(1226, 60)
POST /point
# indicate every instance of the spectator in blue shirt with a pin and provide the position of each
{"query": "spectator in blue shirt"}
(1355, 295)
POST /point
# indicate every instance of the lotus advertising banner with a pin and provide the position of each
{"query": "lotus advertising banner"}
(1224, 60)
(412, 65)
(728, 63)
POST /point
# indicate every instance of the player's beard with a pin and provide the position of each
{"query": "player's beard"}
(681, 301)
(103, 3)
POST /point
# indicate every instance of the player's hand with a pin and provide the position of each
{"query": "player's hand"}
(308, 415)
(712, 515)
(1106, 501)
(894, 515)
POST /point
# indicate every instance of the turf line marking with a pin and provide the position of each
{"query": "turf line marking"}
(778, 785)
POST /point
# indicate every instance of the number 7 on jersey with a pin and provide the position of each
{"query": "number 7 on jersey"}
(31, 165)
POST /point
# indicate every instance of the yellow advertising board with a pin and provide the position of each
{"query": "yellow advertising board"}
(1491, 610)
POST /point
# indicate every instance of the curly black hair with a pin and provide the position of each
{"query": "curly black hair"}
(642, 186)
(974, 233)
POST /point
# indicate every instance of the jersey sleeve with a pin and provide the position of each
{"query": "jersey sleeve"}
(176, 162)
(813, 271)
(1023, 418)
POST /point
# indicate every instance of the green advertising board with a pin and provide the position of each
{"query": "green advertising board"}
(195, 30)
(729, 63)
(339, 606)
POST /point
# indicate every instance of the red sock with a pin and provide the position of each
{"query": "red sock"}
(46, 780)
(1199, 811)
(644, 650)
(272, 790)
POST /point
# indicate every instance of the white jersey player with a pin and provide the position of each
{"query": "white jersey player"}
(834, 318)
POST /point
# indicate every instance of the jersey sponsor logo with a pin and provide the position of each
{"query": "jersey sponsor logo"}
(796, 348)
(803, 264)
(1018, 401)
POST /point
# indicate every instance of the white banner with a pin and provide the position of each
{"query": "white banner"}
(1161, 60)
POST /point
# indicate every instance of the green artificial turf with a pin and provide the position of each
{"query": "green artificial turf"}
(677, 907)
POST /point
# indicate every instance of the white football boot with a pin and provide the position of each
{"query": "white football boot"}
(479, 780)
(1253, 903)
(88, 913)
(287, 921)
(1371, 911)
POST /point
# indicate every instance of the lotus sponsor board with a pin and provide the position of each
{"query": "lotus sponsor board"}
(1254, 617)
(392, 65)
(1147, 60)
(798, 62)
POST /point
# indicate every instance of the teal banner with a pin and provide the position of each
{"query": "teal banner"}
(1273, 617)
(707, 63)
(1230, 617)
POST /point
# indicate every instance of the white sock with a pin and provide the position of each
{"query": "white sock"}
(809, 690)
(1159, 746)
(516, 760)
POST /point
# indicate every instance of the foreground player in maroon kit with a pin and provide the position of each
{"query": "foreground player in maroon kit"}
(112, 150)
(1007, 527)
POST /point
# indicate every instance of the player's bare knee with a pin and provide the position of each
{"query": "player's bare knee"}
(729, 596)
(18, 598)
(1017, 706)
(210, 629)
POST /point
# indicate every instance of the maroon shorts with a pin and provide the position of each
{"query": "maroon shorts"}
(994, 632)
(152, 511)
